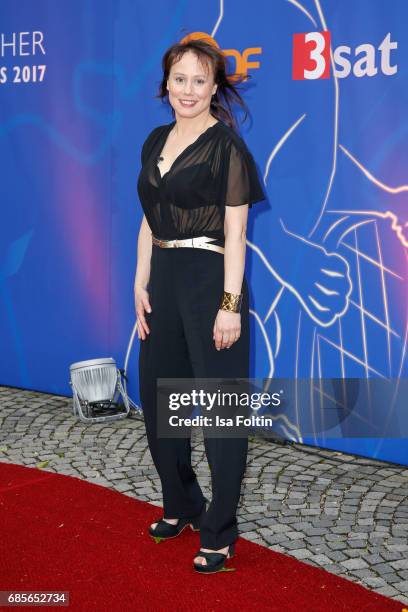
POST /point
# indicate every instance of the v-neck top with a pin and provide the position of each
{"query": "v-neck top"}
(214, 171)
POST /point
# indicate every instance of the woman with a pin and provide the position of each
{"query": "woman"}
(197, 181)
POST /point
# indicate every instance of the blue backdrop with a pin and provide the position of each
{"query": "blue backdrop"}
(327, 253)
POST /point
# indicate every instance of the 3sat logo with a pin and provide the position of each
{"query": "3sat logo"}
(311, 57)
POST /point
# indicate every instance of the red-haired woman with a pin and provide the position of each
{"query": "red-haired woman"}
(197, 181)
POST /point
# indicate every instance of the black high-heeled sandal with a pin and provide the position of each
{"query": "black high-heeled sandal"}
(215, 561)
(166, 531)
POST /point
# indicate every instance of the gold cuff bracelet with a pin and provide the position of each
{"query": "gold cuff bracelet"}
(231, 302)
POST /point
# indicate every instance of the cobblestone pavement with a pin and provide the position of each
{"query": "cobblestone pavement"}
(346, 514)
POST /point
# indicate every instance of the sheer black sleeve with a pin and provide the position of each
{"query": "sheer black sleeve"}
(145, 148)
(143, 153)
(243, 184)
(148, 143)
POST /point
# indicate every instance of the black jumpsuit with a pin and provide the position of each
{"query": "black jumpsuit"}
(185, 289)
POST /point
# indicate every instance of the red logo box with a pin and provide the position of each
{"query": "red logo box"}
(311, 56)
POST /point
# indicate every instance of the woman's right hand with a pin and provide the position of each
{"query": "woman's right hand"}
(142, 306)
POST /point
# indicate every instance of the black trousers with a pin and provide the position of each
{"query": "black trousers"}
(185, 290)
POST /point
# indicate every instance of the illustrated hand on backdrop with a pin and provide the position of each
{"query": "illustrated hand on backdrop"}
(323, 285)
(319, 279)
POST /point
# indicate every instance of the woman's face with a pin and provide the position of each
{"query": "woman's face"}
(189, 80)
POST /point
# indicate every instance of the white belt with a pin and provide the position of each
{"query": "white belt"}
(199, 242)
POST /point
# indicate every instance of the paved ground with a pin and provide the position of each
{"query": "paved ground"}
(346, 514)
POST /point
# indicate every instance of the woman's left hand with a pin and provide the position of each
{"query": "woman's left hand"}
(227, 329)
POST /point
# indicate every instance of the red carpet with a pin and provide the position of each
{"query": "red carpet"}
(61, 533)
